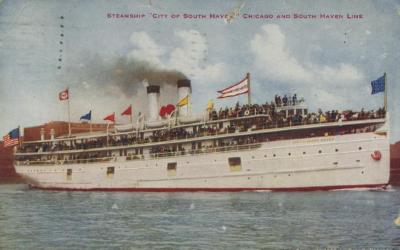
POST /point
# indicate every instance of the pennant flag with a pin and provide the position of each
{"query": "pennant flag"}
(127, 111)
(63, 95)
(110, 118)
(378, 85)
(210, 105)
(239, 88)
(12, 138)
(88, 116)
(183, 102)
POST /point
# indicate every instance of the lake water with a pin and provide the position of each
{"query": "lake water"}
(34, 219)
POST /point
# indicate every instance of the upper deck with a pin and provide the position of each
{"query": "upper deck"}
(239, 127)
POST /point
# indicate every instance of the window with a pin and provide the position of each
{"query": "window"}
(171, 168)
(235, 164)
(110, 171)
(69, 174)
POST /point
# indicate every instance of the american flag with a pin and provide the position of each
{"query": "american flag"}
(12, 138)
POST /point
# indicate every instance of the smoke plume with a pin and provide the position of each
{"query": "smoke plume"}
(94, 78)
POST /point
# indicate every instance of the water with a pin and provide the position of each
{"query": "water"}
(33, 219)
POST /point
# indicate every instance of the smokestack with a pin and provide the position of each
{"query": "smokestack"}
(153, 95)
(184, 89)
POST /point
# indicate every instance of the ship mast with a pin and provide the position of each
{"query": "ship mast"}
(69, 115)
(248, 86)
(385, 98)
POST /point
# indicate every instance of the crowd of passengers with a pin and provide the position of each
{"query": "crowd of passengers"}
(166, 150)
(271, 119)
(270, 109)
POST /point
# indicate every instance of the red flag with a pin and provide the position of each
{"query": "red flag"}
(63, 95)
(127, 111)
(110, 118)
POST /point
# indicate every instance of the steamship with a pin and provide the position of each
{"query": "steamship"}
(273, 146)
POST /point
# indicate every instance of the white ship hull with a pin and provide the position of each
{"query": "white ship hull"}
(319, 163)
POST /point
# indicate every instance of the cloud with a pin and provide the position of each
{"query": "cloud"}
(330, 85)
(272, 56)
(146, 49)
(189, 56)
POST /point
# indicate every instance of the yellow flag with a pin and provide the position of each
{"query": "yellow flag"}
(183, 102)
(210, 105)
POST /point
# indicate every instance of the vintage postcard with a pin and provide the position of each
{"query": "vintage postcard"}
(267, 104)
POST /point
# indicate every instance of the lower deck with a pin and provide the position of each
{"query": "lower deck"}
(330, 162)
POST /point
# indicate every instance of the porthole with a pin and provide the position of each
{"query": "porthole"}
(359, 148)
(304, 153)
(362, 172)
(320, 151)
(289, 154)
(274, 155)
(265, 156)
(336, 150)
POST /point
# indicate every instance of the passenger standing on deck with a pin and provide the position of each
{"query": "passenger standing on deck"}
(285, 100)
(294, 99)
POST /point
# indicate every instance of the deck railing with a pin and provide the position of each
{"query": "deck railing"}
(206, 150)
(171, 137)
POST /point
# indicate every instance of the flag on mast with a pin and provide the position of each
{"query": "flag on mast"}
(183, 102)
(378, 85)
(110, 118)
(63, 95)
(87, 116)
(127, 111)
(239, 88)
(12, 138)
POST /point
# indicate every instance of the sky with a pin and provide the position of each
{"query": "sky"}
(106, 60)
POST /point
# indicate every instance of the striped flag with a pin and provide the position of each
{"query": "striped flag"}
(239, 88)
(12, 138)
